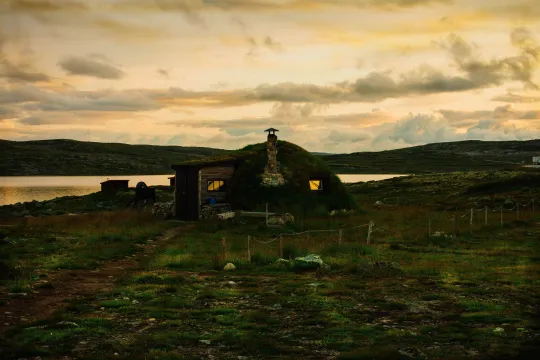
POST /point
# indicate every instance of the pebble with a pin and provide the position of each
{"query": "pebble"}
(6, 324)
(151, 319)
(134, 302)
(102, 308)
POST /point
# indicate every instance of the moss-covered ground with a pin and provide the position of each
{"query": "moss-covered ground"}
(471, 297)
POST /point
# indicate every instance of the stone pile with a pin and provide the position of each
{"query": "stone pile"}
(281, 220)
(163, 209)
(210, 211)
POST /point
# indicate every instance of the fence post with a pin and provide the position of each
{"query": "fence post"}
(224, 248)
(485, 215)
(370, 229)
(517, 211)
(339, 237)
(470, 221)
(249, 249)
(280, 245)
(454, 227)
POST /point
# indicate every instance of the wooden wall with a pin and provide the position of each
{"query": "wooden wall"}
(214, 173)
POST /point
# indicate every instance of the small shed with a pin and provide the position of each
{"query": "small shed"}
(201, 184)
(172, 181)
(111, 186)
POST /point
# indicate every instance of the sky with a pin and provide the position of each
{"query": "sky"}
(332, 75)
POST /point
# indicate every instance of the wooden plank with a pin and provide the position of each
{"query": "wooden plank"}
(215, 173)
(226, 215)
(254, 214)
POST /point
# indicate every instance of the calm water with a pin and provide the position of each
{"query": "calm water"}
(14, 189)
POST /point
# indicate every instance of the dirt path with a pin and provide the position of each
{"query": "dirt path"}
(67, 285)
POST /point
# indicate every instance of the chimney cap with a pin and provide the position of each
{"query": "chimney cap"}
(271, 130)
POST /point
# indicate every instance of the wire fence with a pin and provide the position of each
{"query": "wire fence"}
(438, 224)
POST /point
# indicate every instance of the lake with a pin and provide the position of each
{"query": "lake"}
(14, 189)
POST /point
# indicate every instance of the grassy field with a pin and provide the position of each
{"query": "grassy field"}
(406, 295)
(470, 155)
(68, 157)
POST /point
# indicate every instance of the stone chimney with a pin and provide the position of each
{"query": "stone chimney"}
(272, 166)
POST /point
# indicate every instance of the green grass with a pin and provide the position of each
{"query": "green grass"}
(445, 300)
(39, 245)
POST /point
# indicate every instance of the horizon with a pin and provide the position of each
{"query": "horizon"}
(242, 146)
(215, 74)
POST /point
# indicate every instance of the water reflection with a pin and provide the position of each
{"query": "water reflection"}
(14, 189)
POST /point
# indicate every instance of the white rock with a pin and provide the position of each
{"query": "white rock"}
(229, 267)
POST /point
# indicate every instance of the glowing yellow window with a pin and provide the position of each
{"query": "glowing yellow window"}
(315, 185)
(216, 185)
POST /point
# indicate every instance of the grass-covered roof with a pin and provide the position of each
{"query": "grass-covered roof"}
(297, 167)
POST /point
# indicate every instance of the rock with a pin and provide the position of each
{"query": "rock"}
(212, 211)
(67, 323)
(226, 215)
(498, 331)
(207, 342)
(229, 267)
(134, 302)
(311, 261)
(163, 209)
(282, 261)
(378, 203)
(412, 353)
(388, 265)
(151, 319)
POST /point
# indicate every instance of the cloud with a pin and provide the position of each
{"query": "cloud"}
(254, 45)
(272, 44)
(163, 72)
(44, 6)
(496, 71)
(7, 113)
(500, 113)
(515, 98)
(18, 71)
(339, 137)
(90, 66)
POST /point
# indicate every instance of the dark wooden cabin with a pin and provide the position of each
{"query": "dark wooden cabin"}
(111, 186)
(171, 181)
(198, 184)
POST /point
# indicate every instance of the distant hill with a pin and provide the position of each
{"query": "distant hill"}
(70, 157)
(438, 157)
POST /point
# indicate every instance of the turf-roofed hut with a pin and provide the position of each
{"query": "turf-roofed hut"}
(278, 173)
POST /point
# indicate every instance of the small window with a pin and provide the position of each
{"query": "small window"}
(216, 185)
(315, 185)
